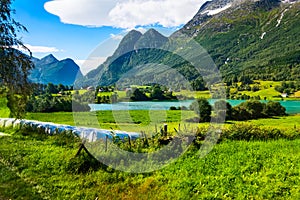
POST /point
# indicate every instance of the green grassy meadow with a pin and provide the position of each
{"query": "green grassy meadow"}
(267, 89)
(37, 166)
(42, 167)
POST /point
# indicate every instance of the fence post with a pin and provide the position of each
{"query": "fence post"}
(129, 142)
(106, 138)
(165, 129)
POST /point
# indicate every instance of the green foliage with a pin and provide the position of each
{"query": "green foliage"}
(48, 103)
(274, 109)
(223, 109)
(249, 132)
(14, 65)
(254, 109)
(288, 87)
(233, 39)
(202, 108)
(32, 168)
(139, 95)
(4, 111)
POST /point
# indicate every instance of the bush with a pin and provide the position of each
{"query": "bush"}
(202, 108)
(274, 109)
(47, 103)
(173, 108)
(222, 107)
(249, 132)
(254, 109)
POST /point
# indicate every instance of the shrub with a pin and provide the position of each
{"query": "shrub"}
(274, 109)
(202, 108)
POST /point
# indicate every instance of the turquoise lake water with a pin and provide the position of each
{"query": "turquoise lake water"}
(292, 107)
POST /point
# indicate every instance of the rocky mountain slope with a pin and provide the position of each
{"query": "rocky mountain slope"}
(259, 39)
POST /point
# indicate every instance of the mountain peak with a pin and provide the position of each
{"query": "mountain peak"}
(152, 31)
(151, 39)
(127, 43)
(135, 32)
(51, 70)
(48, 59)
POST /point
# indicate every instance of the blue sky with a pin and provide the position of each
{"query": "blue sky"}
(74, 28)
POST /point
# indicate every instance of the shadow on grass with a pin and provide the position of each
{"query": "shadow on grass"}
(84, 163)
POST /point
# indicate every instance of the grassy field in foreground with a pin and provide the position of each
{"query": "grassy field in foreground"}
(40, 167)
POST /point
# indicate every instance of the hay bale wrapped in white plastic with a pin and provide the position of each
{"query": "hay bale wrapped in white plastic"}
(33, 125)
(2, 122)
(88, 134)
(40, 128)
(18, 124)
(9, 123)
(64, 129)
(76, 132)
(133, 135)
(50, 129)
(101, 134)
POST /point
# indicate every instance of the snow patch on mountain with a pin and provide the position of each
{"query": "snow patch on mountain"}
(216, 11)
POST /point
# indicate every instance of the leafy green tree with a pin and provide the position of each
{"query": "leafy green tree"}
(240, 113)
(254, 108)
(157, 93)
(274, 109)
(61, 87)
(114, 98)
(222, 107)
(202, 108)
(51, 89)
(138, 95)
(198, 84)
(14, 65)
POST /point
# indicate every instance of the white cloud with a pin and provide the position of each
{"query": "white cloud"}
(124, 13)
(42, 49)
(90, 64)
(116, 37)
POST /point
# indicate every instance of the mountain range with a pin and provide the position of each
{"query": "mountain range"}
(50, 70)
(259, 39)
(255, 38)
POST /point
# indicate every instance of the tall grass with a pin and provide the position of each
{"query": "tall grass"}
(37, 167)
(4, 111)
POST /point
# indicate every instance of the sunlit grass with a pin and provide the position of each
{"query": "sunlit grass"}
(39, 167)
(284, 123)
(4, 111)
